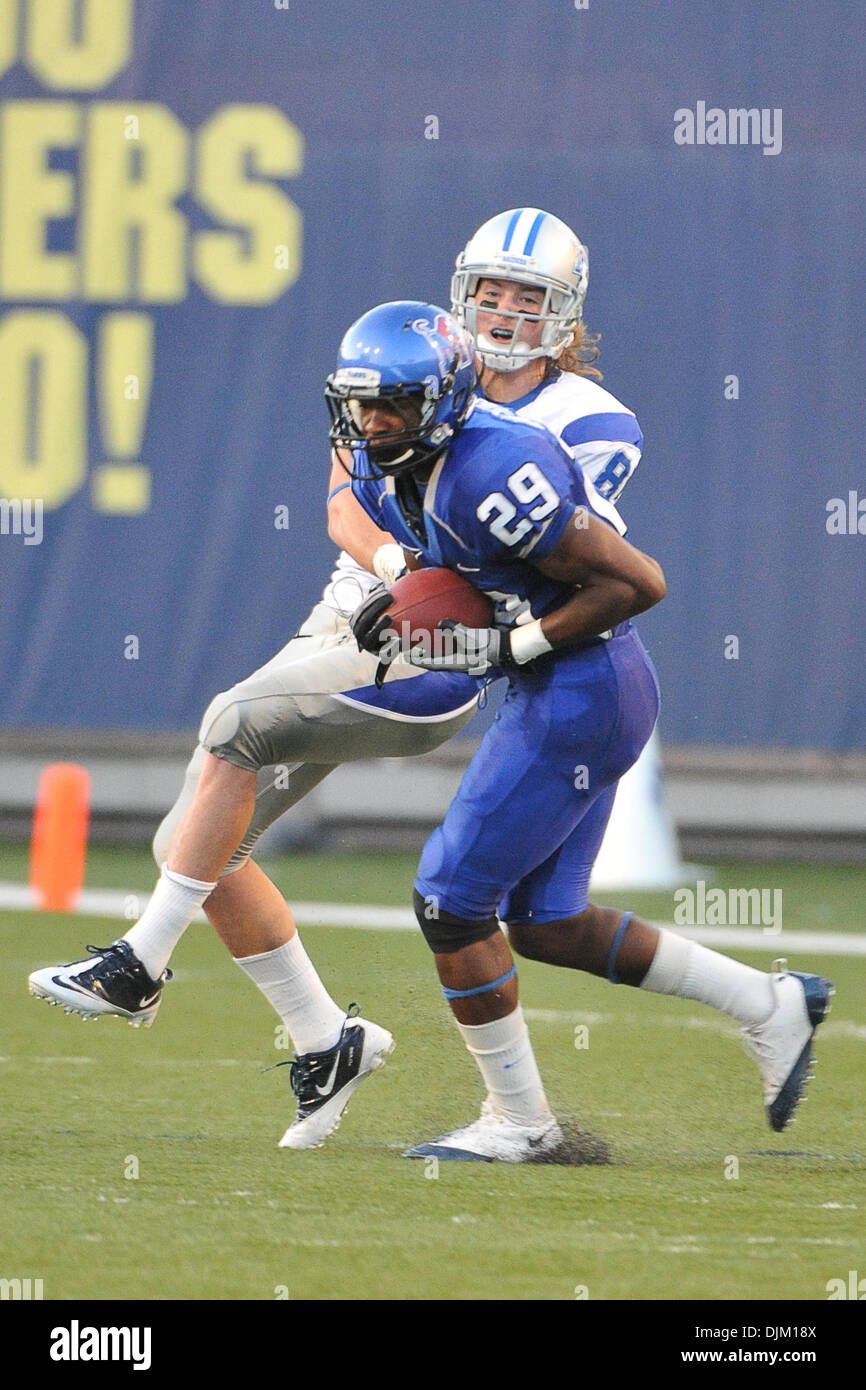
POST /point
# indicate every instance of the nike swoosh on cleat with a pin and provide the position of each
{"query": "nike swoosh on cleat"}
(329, 1085)
(151, 999)
(70, 984)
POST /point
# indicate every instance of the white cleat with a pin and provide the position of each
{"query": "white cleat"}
(782, 1044)
(324, 1082)
(494, 1138)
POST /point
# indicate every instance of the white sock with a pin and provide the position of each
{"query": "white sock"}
(175, 901)
(683, 967)
(504, 1056)
(289, 981)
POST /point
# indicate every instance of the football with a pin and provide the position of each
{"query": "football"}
(422, 599)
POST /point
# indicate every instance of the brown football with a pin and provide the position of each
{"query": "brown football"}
(424, 598)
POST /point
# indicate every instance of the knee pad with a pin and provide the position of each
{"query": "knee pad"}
(227, 731)
(443, 931)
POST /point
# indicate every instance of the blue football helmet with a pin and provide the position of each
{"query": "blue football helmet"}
(415, 359)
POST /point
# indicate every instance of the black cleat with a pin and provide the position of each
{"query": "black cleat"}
(324, 1081)
(111, 981)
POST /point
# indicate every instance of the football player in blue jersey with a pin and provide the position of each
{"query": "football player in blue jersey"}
(467, 485)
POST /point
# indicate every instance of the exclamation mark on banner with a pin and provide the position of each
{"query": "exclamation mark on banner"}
(124, 374)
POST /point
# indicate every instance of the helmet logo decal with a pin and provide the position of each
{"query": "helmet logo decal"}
(522, 262)
(357, 376)
(441, 335)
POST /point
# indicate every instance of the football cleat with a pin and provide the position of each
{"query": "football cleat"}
(493, 1138)
(115, 982)
(782, 1044)
(324, 1082)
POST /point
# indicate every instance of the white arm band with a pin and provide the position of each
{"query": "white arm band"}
(389, 562)
(528, 641)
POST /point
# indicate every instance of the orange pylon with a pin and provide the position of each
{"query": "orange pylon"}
(58, 845)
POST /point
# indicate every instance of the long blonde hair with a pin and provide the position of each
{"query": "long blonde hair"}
(579, 356)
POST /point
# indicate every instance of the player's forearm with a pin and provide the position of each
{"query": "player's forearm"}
(350, 527)
(352, 530)
(597, 607)
(616, 581)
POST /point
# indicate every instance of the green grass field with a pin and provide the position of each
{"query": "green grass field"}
(217, 1211)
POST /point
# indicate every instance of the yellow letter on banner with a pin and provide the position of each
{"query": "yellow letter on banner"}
(43, 423)
(32, 194)
(61, 58)
(124, 373)
(242, 266)
(115, 204)
(8, 34)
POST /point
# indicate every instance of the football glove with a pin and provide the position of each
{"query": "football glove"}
(369, 622)
(477, 650)
(371, 628)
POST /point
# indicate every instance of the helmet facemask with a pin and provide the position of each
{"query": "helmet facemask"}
(418, 442)
(559, 312)
(529, 247)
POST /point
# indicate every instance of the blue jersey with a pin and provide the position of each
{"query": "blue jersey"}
(497, 501)
(523, 829)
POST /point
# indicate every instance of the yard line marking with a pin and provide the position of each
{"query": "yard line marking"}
(843, 1028)
(565, 1016)
(835, 1028)
(54, 1061)
(152, 1062)
(111, 902)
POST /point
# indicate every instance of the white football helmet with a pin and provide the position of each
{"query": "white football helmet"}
(537, 249)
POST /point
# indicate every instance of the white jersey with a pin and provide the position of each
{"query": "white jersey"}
(598, 431)
(601, 434)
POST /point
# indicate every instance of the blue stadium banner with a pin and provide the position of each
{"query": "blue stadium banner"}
(197, 198)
